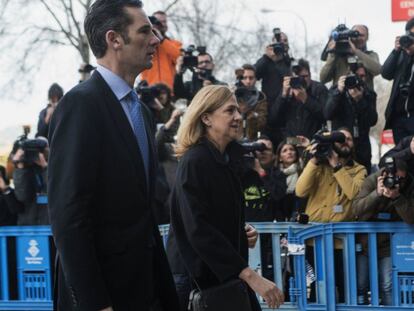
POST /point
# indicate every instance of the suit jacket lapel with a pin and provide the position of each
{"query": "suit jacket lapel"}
(123, 125)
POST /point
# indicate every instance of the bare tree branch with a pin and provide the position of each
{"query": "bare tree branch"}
(72, 39)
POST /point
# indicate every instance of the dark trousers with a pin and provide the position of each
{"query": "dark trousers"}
(402, 127)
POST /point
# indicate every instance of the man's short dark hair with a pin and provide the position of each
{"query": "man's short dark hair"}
(249, 67)
(55, 90)
(105, 15)
(301, 64)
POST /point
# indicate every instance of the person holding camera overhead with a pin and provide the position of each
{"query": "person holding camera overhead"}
(166, 54)
(399, 66)
(30, 179)
(387, 195)
(208, 239)
(331, 179)
(299, 107)
(201, 66)
(345, 45)
(353, 105)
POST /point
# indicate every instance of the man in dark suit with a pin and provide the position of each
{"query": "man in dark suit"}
(101, 172)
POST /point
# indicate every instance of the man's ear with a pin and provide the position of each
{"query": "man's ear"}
(205, 118)
(113, 40)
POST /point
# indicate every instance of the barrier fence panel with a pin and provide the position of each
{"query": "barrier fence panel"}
(307, 261)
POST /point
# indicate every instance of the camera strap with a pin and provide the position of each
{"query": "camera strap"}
(408, 97)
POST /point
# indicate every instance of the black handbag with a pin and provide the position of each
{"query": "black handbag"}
(231, 295)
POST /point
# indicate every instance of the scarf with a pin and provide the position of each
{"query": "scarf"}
(292, 176)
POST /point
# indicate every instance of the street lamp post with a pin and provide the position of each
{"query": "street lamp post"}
(265, 11)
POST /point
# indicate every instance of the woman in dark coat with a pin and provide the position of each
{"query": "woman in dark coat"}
(207, 241)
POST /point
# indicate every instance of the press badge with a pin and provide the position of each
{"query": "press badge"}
(338, 209)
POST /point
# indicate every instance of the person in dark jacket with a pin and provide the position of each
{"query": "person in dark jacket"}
(202, 76)
(30, 181)
(207, 240)
(299, 108)
(381, 201)
(356, 109)
(403, 151)
(271, 68)
(9, 206)
(55, 93)
(399, 114)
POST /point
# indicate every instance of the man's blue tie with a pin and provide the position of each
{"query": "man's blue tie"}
(135, 111)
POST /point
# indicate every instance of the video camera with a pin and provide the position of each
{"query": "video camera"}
(325, 141)
(249, 151)
(278, 47)
(341, 35)
(391, 179)
(190, 61)
(31, 147)
(147, 93)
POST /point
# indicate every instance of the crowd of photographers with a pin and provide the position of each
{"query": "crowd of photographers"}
(307, 147)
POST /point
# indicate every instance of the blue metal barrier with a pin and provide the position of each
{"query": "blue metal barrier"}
(26, 257)
(26, 268)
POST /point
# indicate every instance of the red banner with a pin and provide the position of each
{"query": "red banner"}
(402, 10)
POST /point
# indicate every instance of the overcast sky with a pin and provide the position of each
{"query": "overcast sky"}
(319, 16)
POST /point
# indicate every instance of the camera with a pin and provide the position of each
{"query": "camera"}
(249, 149)
(352, 81)
(325, 141)
(190, 60)
(278, 47)
(297, 83)
(147, 93)
(406, 41)
(31, 147)
(391, 179)
(341, 35)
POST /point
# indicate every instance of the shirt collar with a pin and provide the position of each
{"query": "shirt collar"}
(118, 86)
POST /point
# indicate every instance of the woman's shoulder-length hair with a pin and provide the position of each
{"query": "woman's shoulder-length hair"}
(192, 128)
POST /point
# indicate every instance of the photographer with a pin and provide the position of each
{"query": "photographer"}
(330, 181)
(387, 195)
(55, 93)
(344, 43)
(166, 53)
(30, 180)
(9, 206)
(352, 104)
(399, 66)
(273, 66)
(403, 151)
(299, 107)
(252, 102)
(202, 75)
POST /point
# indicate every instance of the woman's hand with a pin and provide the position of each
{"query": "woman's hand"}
(265, 288)
(252, 235)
